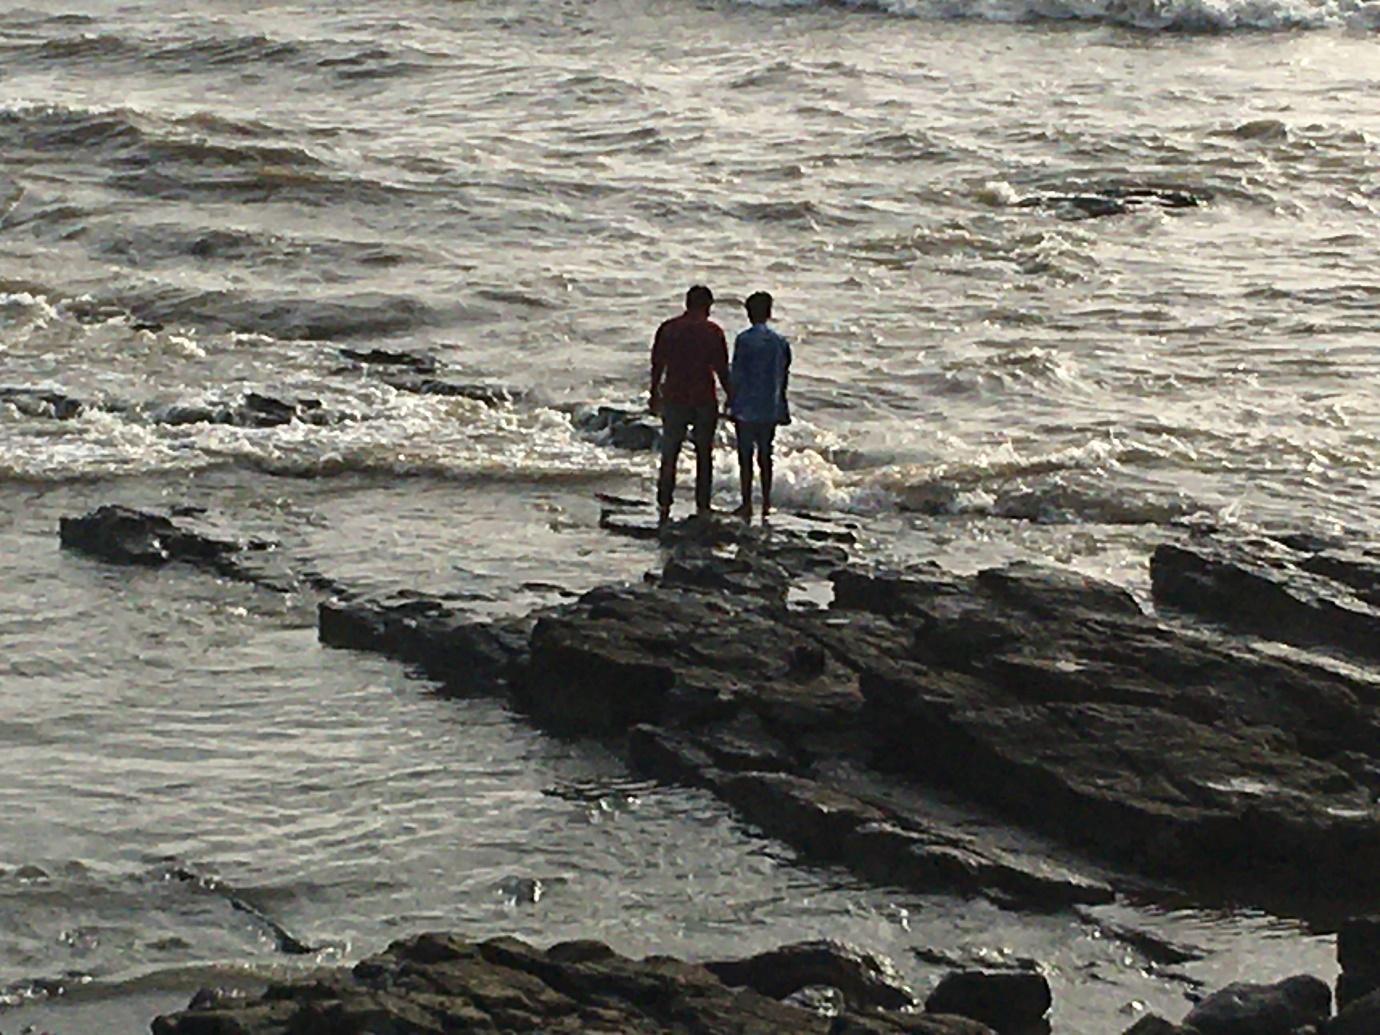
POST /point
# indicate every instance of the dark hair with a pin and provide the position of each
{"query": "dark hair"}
(699, 297)
(758, 306)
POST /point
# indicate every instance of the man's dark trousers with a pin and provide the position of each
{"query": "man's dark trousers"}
(676, 420)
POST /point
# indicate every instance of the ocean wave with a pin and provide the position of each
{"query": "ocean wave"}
(1202, 16)
(1011, 369)
(195, 156)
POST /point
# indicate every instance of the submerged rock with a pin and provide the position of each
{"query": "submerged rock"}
(128, 536)
(382, 357)
(420, 383)
(42, 402)
(1094, 202)
(253, 410)
(625, 429)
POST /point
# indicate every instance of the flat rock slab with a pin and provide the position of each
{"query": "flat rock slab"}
(1307, 597)
(442, 983)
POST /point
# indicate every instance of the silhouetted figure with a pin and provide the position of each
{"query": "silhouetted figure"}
(688, 352)
(761, 366)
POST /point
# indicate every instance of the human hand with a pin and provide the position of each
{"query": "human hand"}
(654, 404)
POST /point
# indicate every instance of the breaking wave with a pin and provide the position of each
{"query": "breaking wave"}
(1152, 15)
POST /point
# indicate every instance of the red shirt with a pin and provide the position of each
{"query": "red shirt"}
(690, 350)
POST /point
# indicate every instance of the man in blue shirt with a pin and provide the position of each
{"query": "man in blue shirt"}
(761, 364)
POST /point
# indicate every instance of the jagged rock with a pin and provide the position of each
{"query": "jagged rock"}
(1152, 1024)
(128, 536)
(892, 1022)
(420, 362)
(42, 402)
(441, 983)
(1055, 700)
(420, 383)
(924, 857)
(1250, 1009)
(1358, 945)
(460, 653)
(1114, 200)
(1359, 1017)
(865, 981)
(1307, 600)
(1358, 954)
(254, 410)
(800, 544)
(1003, 999)
(626, 429)
(746, 573)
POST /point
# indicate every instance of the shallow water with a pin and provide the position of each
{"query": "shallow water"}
(196, 205)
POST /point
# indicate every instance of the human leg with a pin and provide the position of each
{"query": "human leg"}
(764, 450)
(675, 420)
(744, 434)
(706, 419)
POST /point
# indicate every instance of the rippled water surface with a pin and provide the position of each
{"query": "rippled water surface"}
(199, 205)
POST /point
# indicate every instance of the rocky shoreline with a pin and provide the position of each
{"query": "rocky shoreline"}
(1196, 748)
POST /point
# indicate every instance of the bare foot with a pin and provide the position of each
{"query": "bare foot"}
(744, 512)
(663, 515)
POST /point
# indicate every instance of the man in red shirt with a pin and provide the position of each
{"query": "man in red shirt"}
(687, 354)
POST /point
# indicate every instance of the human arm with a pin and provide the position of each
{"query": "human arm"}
(785, 408)
(720, 362)
(658, 370)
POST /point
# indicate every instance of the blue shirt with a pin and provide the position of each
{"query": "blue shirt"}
(761, 360)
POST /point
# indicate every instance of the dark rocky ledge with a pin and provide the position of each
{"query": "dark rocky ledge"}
(435, 983)
(1168, 750)
(1163, 747)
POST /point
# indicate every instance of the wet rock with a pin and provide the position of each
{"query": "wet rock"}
(438, 982)
(1114, 200)
(1152, 1024)
(865, 981)
(42, 402)
(926, 857)
(285, 941)
(1053, 699)
(1004, 1000)
(796, 542)
(1276, 593)
(210, 997)
(423, 384)
(253, 410)
(1358, 954)
(1251, 1009)
(462, 654)
(417, 361)
(1361, 1016)
(812, 816)
(625, 429)
(892, 1022)
(747, 573)
(128, 536)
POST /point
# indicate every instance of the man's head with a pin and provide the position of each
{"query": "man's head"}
(698, 299)
(758, 306)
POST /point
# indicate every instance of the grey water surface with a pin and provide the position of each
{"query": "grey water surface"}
(199, 204)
